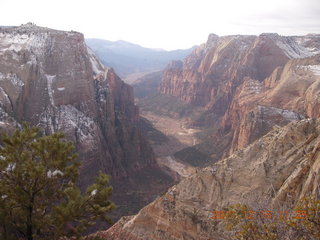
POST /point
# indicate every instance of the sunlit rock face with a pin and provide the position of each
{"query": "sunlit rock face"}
(215, 69)
(288, 94)
(263, 91)
(272, 173)
(247, 84)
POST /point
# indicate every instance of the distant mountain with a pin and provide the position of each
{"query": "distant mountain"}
(128, 58)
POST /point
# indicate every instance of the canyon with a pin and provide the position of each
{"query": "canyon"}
(236, 121)
(256, 100)
(247, 84)
(270, 173)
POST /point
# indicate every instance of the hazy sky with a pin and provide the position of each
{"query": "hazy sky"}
(168, 24)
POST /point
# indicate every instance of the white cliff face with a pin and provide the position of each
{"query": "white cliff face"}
(295, 47)
(13, 78)
(315, 69)
(17, 42)
(97, 66)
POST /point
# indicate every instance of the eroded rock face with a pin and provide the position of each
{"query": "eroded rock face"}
(248, 84)
(290, 93)
(212, 72)
(275, 171)
(51, 79)
(274, 82)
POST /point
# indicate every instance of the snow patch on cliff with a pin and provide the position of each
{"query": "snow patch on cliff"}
(6, 99)
(68, 119)
(306, 40)
(50, 79)
(254, 86)
(315, 69)
(6, 119)
(292, 48)
(16, 41)
(72, 118)
(94, 65)
(97, 66)
(287, 114)
(13, 78)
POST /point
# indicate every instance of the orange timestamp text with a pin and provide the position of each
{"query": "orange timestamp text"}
(262, 214)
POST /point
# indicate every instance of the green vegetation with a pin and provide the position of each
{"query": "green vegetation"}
(167, 105)
(39, 198)
(301, 224)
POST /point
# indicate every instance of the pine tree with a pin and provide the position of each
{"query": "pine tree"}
(39, 196)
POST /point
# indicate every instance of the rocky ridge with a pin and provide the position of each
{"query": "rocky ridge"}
(273, 172)
(263, 92)
(247, 84)
(289, 94)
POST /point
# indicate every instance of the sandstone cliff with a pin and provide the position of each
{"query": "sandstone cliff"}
(277, 170)
(51, 79)
(247, 84)
(209, 76)
(290, 93)
(251, 86)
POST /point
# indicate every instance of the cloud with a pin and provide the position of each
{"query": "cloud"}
(167, 24)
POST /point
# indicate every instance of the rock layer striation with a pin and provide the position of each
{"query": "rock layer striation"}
(247, 84)
(271, 173)
(51, 79)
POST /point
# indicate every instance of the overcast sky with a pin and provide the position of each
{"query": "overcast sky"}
(167, 24)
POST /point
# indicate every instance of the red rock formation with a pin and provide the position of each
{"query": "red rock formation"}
(290, 93)
(253, 84)
(210, 75)
(247, 83)
(51, 79)
(272, 173)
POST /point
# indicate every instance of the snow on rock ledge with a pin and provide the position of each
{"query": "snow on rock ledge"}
(315, 69)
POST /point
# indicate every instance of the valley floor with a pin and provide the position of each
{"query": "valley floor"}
(178, 137)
